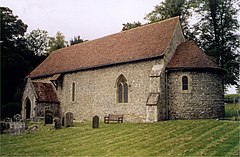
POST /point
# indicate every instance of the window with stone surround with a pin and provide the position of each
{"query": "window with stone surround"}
(185, 82)
(73, 91)
(122, 89)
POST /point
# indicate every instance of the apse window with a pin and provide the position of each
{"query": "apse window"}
(184, 83)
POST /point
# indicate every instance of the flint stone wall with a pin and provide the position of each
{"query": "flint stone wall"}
(205, 100)
(42, 106)
(37, 108)
(30, 94)
(95, 91)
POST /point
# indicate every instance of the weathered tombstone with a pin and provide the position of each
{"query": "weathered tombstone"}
(95, 122)
(48, 117)
(68, 119)
(57, 123)
(7, 119)
(17, 118)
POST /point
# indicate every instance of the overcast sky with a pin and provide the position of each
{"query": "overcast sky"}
(90, 19)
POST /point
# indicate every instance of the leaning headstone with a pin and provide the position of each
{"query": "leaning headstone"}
(48, 117)
(68, 119)
(95, 122)
(57, 123)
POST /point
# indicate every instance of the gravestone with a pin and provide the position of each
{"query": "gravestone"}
(7, 119)
(68, 119)
(95, 122)
(48, 117)
(17, 118)
(57, 123)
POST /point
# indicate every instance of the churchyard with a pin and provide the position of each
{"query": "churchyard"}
(174, 137)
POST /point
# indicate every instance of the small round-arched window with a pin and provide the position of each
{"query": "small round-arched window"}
(184, 83)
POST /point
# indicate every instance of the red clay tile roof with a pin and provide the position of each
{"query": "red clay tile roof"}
(45, 92)
(140, 43)
(188, 55)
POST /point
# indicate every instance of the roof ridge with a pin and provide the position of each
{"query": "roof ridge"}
(150, 24)
(126, 31)
(140, 43)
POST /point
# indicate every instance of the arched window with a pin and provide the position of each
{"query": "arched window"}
(73, 91)
(122, 90)
(184, 83)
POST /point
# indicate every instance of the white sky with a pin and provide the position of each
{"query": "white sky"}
(90, 19)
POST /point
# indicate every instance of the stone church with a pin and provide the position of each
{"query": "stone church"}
(148, 74)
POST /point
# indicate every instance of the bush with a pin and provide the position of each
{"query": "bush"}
(10, 109)
(4, 126)
(231, 98)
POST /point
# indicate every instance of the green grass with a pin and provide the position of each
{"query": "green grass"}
(231, 96)
(168, 138)
(231, 111)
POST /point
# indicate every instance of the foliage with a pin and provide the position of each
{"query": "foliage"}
(216, 33)
(231, 111)
(128, 26)
(37, 41)
(76, 40)
(232, 98)
(17, 61)
(169, 138)
(171, 8)
(57, 42)
(13, 51)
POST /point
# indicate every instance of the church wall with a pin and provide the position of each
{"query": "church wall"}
(177, 38)
(95, 91)
(203, 99)
(28, 94)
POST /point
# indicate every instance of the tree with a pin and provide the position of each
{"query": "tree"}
(216, 33)
(172, 8)
(12, 51)
(128, 26)
(57, 42)
(37, 41)
(76, 40)
(17, 62)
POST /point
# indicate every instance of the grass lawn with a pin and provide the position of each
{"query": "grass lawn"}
(167, 138)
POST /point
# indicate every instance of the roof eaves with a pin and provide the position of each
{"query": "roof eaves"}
(195, 68)
(98, 66)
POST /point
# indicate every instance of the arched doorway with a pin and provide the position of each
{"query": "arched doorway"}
(28, 109)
